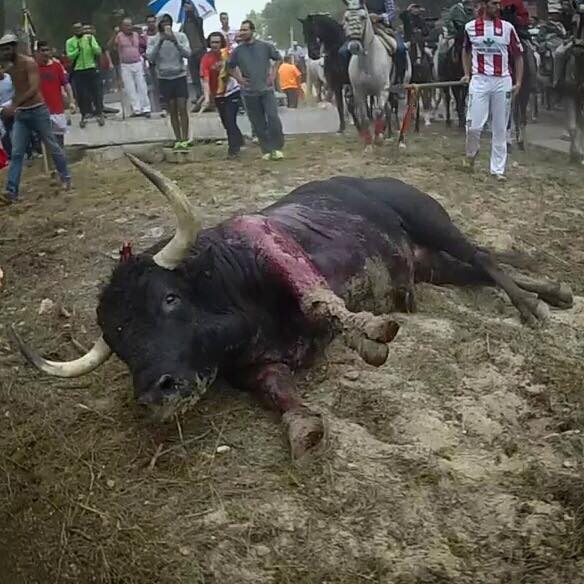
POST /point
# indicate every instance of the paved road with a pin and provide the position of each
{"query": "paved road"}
(204, 126)
(547, 133)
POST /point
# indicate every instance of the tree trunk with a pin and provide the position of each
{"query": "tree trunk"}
(2, 17)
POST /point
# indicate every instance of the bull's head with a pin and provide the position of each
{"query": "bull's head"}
(149, 320)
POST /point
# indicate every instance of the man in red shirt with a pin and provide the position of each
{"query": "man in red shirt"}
(220, 87)
(54, 84)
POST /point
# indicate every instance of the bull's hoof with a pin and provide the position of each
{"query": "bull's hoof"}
(565, 297)
(560, 296)
(368, 335)
(306, 431)
(534, 312)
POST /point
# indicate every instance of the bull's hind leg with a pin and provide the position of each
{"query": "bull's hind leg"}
(442, 269)
(555, 294)
(275, 388)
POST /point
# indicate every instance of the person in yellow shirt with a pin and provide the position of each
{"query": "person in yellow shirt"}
(290, 79)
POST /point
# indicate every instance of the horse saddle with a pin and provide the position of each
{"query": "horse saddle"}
(387, 38)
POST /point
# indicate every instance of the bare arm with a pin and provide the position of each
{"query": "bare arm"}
(70, 97)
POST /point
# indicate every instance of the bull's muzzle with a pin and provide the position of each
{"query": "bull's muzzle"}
(169, 396)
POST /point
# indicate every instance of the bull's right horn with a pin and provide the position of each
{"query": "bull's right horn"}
(188, 225)
(96, 356)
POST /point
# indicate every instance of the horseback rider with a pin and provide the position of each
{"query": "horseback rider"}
(458, 16)
(413, 23)
(456, 19)
(570, 13)
(413, 20)
(382, 14)
(550, 37)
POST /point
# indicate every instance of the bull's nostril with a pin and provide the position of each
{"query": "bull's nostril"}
(165, 383)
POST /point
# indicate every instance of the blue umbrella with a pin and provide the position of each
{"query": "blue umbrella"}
(175, 8)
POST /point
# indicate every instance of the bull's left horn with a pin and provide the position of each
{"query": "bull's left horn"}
(188, 225)
(96, 356)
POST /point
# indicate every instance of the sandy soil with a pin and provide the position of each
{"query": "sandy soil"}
(459, 461)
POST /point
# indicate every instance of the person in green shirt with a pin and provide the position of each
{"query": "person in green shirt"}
(84, 51)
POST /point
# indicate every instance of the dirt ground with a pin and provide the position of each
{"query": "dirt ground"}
(459, 461)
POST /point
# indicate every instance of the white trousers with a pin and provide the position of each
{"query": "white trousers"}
(489, 96)
(135, 87)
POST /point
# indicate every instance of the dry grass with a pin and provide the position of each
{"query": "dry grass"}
(460, 461)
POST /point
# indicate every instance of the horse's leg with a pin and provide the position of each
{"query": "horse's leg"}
(380, 115)
(516, 123)
(340, 107)
(535, 106)
(572, 115)
(395, 107)
(427, 104)
(388, 126)
(361, 115)
(447, 98)
(580, 128)
(459, 98)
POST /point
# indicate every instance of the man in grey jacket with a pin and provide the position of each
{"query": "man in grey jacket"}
(253, 63)
(168, 51)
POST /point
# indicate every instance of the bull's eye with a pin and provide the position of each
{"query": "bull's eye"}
(119, 329)
(171, 299)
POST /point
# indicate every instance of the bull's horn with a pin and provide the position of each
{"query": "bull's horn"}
(188, 225)
(96, 356)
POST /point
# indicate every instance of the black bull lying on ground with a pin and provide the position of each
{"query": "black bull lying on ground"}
(259, 295)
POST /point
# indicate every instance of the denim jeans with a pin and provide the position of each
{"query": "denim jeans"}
(262, 111)
(25, 122)
(228, 107)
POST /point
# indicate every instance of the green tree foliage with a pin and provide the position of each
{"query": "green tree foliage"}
(279, 15)
(53, 18)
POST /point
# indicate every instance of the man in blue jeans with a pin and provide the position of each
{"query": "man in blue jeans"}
(30, 115)
(252, 64)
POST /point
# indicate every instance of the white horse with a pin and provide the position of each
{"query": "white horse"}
(315, 79)
(369, 72)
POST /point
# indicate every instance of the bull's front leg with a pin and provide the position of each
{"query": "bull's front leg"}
(275, 388)
(285, 261)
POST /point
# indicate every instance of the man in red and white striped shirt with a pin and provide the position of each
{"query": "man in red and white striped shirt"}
(490, 44)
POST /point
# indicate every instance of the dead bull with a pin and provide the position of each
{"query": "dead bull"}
(259, 295)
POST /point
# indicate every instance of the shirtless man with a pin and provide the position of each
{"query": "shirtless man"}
(30, 114)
